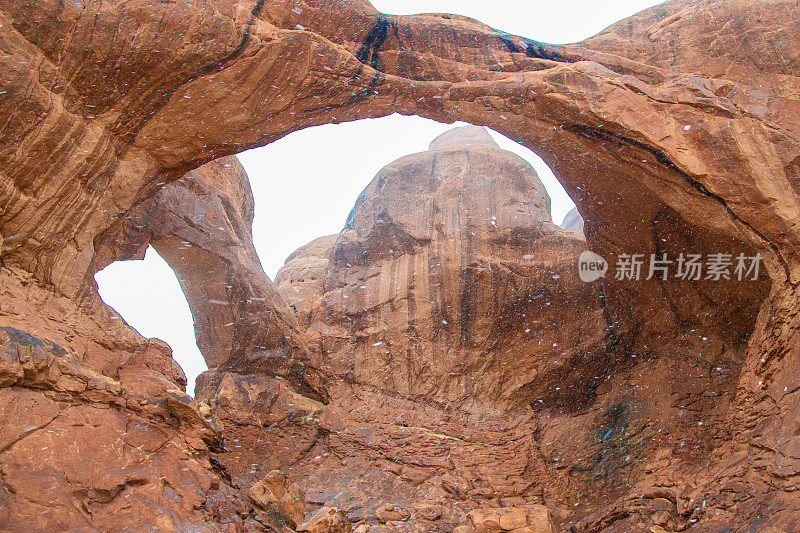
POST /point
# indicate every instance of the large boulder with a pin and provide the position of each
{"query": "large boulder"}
(277, 494)
(534, 519)
(327, 520)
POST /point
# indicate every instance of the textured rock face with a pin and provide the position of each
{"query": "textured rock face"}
(327, 520)
(573, 221)
(300, 280)
(276, 493)
(95, 435)
(674, 131)
(446, 307)
(450, 325)
(533, 520)
(451, 285)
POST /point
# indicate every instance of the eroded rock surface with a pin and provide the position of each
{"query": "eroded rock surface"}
(573, 221)
(674, 131)
(447, 306)
(277, 494)
(450, 285)
(522, 520)
(451, 327)
(201, 224)
(94, 435)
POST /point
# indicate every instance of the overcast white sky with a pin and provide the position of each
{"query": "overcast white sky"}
(306, 183)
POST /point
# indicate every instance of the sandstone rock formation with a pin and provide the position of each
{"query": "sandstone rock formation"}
(202, 225)
(90, 437)
(446, 307)
(536, 519)
(450, 285)
(674, 131)
(573, 221)
(300, 280)
(449, 298)
(327, 520)
(276, 493)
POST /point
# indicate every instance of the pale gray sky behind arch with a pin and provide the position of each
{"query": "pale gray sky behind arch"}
(306, 183)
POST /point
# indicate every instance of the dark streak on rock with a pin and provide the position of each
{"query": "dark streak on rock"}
(533, 49)
(216, 67)
(297, 378)
(24, 339)
(369, 53)
(615, 347)
(466, 305)
(208, 69)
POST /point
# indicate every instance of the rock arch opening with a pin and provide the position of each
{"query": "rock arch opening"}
(243, 322)
(205, 246)
(149, 297)
(291, 372)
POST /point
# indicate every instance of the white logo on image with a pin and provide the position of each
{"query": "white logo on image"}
(591, 266)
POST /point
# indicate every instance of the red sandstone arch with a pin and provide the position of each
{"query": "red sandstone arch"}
(102, 106)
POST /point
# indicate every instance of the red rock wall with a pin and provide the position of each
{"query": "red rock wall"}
(103, 104)
(451, 285)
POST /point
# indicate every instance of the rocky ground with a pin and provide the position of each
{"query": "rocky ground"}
(436, 366)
